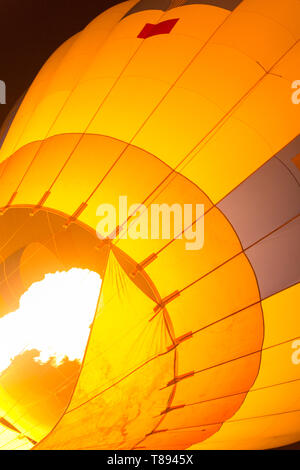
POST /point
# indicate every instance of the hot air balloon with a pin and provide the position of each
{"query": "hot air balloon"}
(167, 102)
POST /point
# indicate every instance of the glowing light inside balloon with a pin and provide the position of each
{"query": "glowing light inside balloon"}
(54, 318)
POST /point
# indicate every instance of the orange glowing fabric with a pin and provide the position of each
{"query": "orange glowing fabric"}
(187, 348)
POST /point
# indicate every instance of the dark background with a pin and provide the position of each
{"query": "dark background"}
(30, 30)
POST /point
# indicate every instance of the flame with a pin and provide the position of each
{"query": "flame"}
(54, 318)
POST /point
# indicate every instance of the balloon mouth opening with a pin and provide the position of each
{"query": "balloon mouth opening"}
(32, 247)
(42, 346)
(54, 319)
(50, 281)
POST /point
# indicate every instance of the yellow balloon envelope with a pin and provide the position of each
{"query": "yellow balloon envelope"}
(168, 102)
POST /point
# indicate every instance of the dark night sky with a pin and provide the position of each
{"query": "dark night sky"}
(30, 30)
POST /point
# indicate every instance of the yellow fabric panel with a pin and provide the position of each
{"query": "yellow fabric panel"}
(3, 302)
(236, 286)
(203, 414)
(27, 445)
(48, 154)
(217, 166)
(279, 399)
(146, 79)
(287, 13)
(270, 41)
(198, 21)
(198, 389)
(287, 66)
(89, 43)
(84, 171)
(265, 420)
(77, 56)
(203, 400)
(101, 77)
(258, 433)
(32, 99)
(224, 80)
(266, 122)
(25, 412)
(281, 317)
(10, 440)
(225, 341)
(193, 264)
(178, 135)
(44, 123)
(277, 387)
(178, 125)
(138, 395)
(45, 114)
(129, 333)
(118, 51)
(173, 439)
(158, 59)
(124, 369)
(80, 166)
(172, 190)
(127, 107)
(125, 177)
(13, 171)
(255, 136)
(221, 343)
(123, 51)
(14, 414)
(277, 365)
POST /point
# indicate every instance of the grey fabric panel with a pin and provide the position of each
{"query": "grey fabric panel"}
(226, 4)
(288, 153)
(165, 4)
(276, 259)
(264, 201)
(149, 5)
